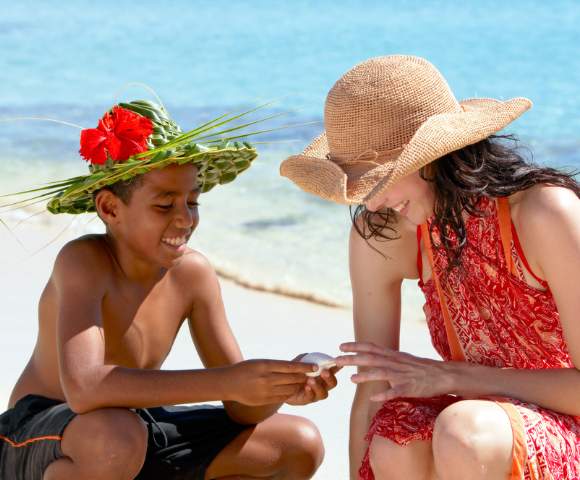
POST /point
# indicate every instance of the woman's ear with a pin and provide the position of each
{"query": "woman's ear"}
(428, 171)
(107, 206)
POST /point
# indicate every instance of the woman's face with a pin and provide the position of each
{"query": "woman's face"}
(412, 197)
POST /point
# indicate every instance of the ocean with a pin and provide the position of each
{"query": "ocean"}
(72, 60)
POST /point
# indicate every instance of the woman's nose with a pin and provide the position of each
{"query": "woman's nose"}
(374, 204)
(377, 203)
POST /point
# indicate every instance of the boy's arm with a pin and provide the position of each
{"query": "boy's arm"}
(212, 334)
(89, 383)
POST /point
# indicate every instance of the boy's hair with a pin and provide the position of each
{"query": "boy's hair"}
(490, 168)
(122, 189)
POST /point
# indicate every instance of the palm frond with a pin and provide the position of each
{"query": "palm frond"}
(212, 146)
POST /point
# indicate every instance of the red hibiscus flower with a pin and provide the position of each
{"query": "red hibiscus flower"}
(120, 134)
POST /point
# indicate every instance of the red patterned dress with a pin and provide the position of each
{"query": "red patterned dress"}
(498, 320)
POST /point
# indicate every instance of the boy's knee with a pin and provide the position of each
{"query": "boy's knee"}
(303, 449)
(311, 442)
(116, 442)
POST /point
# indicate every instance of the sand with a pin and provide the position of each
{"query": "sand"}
(266, 326)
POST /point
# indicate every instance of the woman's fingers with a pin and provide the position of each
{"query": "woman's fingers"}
(395, 392)
(362, 347)
(372, 375)
(363, 360)
(372, 349)
(409, 376)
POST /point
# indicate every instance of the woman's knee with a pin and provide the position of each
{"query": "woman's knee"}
(472, 439)
(112, 441)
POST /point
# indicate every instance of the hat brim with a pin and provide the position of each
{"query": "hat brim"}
(439, 135)
(216, 165)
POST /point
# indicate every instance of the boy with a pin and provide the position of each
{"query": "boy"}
(84, 407)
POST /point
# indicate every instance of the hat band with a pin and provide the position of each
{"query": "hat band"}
(366, 160)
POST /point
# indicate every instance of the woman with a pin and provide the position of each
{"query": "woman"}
(495, 243)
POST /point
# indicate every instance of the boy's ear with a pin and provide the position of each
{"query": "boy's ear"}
(107, 205)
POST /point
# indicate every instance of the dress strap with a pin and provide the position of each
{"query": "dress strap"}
(524, 259)
(454, 345)
(419, 256)
(519, 452)
(508, 234)
(505, 230)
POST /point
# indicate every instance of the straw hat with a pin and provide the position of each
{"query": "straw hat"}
(136, 137)
(386, 118)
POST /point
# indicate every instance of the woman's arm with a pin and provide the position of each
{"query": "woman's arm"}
(547, 220)
(376, 287)
(410, 376)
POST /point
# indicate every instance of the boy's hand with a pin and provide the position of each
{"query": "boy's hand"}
(266, 382)
(315, 389)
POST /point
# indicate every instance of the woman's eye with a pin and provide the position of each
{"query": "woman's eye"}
(164, 207)
(193, 204)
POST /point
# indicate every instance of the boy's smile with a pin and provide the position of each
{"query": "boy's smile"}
(175, 242)
(169, 196)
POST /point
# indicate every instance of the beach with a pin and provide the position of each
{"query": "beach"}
(266, 326)
(282, 254)
(262, 229)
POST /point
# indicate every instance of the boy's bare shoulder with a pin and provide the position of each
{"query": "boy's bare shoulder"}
(83, 259)
(194, 272)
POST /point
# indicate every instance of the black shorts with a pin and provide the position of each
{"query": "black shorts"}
(183, 441)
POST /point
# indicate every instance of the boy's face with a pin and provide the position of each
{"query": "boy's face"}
(161, 215)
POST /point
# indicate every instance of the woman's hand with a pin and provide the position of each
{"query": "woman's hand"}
(408, 376)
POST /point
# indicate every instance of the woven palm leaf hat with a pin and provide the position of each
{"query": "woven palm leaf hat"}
(386, 118)
(136, 137)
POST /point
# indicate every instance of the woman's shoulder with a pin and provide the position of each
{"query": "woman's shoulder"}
(395, 257)
(542, 203)
(546, 220)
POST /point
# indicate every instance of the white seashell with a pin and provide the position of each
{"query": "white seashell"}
(323, 361)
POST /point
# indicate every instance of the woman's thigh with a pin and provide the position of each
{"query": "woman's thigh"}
(391, 461)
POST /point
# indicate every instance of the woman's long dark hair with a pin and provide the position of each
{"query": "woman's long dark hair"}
(491, 168)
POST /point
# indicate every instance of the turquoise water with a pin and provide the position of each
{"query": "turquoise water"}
(71, 60)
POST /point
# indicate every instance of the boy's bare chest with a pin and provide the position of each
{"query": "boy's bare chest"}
(140, 327)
